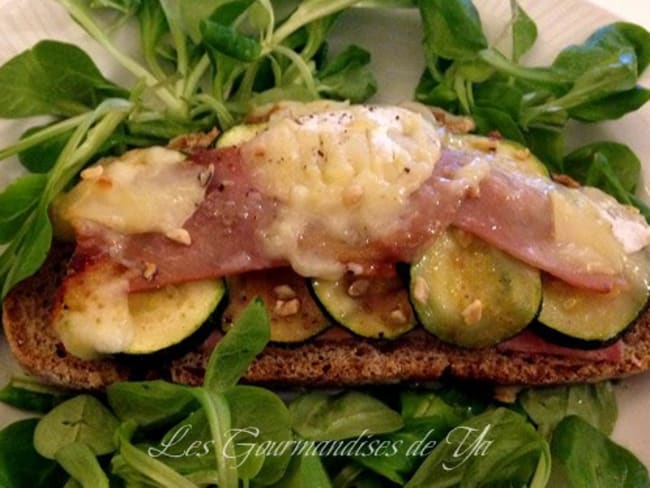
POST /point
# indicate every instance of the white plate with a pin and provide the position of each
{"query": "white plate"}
(394, 39)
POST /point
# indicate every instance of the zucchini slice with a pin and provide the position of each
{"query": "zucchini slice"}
(585, 318)
(293, 313)
(165, 317)
(378, 308)
(239, 134)
(94, 314)
(471, 294)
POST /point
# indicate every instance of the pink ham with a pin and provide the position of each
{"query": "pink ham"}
(510, 211)
(513, 213)
(530, 343)
(226, 237)
(224, 231)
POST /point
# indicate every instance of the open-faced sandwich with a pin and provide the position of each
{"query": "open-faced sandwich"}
(387, 243)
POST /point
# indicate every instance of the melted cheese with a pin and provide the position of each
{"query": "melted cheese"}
(581, 231)
(145, 190)
(94, 317)
(628, 225)
(349, 171)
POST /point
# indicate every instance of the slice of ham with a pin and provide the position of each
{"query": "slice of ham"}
(509, 210)
(513, 212)
(530, 343)
(224, 230)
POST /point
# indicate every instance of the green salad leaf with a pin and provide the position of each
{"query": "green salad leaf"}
(20, 464)
(80, 462)
(82, 419)
(318, 416)
(150, 404)
(52, 78)
(305, 471)
(547, 407)
(234, 353)
(452, 30)
(260, 418)
(524, 31)
(585, 457)
(32, 396)
(496, 446)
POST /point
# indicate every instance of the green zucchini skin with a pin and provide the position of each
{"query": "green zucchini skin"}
(472, 295)
(585, 319)
(372, 307)
(294, 316)
(169, 317)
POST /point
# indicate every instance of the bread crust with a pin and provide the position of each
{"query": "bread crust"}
(335, 358)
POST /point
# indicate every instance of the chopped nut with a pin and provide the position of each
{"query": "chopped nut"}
(179, 235)
(495, 134)
(473, 312)
(205, 176)
(506, 394)
(150, 271)
(569, 303)
(352, 195)
(286, 308)
(522, 154)
(358, 288)
(284, 292)
(454, 123)
(191, 143)
(485, 144)
(420, 290)
(565, 180)
(93, 173)
(355, 268)
(398, 316)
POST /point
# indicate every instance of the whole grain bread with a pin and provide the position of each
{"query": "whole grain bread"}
(334, 358)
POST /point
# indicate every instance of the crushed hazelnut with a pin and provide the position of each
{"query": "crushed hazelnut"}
(355, 268)
(286, 308)
(398, 316)
(420, 290)
(181, 236)
(284, 292)
(191, 143)
(358, 288)
(565, 180)
(205, 176)
(473, 312)
(93, 173)
(454, 123)
(485, 144)
(150, 270)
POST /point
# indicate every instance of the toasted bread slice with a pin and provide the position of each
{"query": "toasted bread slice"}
(335, 358)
